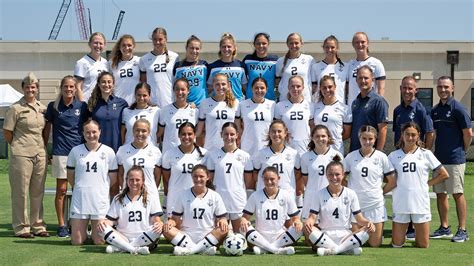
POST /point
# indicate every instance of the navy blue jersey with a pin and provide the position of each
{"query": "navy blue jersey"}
(196, 74)
(234, 70)
(261, 67)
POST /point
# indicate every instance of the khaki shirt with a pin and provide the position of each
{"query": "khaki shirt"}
(27, 123)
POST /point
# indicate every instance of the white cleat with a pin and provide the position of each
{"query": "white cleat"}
(259, 251)
(210, 251)
(112, 249)
(180, 251)
(324, 251)
(143, 250)
(357, 251)
(286, 251)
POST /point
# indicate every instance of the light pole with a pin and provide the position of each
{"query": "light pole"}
(452, 59)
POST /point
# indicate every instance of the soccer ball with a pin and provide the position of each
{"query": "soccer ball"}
(235, 245)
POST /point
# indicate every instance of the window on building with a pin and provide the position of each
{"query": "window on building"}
(425, 96)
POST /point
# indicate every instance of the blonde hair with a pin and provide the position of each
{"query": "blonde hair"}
(116, 54)
(227, 36)
(361, 33)
(97, 34)
(96, 93)
(287, 55)
(288, 96)
(229, 95)
(60, 94)
(160, 30)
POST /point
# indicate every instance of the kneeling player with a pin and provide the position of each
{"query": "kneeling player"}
(271, 206)
(334, 206)
(136, 216)
(191, 228)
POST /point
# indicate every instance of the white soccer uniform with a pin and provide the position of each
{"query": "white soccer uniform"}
(180, 165)
(366, 177)
(411, 196)
(151, 114)
(296, 117)
(159, 75)
(334, 117)
(91, 179)
(127, 76)
(148, 158)
(271, 214)
(300, 66)
(338, 71)
(199, 214)
(334, 213)
(286, 162)
(228, 169)
(215, 114)
(256, 118)
(88, 69)
(133, 217)
(171, 119)
(313, 166)
(352, 66)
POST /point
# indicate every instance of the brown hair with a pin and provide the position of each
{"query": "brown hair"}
(191, 38)
(60, 94)
(311, 144)
(96, 94)
(274, 122)
(405, 126)
(125, 191)
(116, 54)
(361, 33)
(287, 55)
(323, 79)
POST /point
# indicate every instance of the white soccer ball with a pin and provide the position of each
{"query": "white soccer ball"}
(235, 245)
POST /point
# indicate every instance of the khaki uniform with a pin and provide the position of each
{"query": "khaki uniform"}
(27, 167)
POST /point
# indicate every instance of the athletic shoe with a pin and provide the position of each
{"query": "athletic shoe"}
(112, 249)
(143, 250)
(259, 251)
(324, 251)
(357, 251)
(461, 236)
(288, 250)
(63, 232)
(210, 251)
(442, 232)
(181, 251)
(410, 233)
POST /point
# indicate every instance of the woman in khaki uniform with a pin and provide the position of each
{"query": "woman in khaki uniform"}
(23, 130)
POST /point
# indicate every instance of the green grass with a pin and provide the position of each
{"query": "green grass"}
(41, 251)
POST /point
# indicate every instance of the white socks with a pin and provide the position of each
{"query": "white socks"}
(289, 237)
(320, 239)
(181, 240)
(145, 239)
(257, 239)
(356, 240)
(113, 238)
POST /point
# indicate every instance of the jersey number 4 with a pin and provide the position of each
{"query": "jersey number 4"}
(335, 213)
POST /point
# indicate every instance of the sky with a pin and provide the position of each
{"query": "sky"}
(445, 20)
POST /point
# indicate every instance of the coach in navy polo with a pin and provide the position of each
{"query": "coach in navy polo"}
(412, 110)
(368, 108)
(453, 137)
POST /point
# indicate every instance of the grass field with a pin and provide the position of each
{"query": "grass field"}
(53, 250)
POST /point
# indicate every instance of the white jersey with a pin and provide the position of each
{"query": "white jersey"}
(296, 117)
(334, 117)
(171, 119)
(271, 214)
(335, 213)
(148, 158)
(300, 66)
(228, 169)
(159, 75)
(338, 71)
(352, 66)
(91, 179)
(285, 161)
(313, 166)
(411, 196)
(133, 217)
(366, 177)
(199, 214)
(127, 76)
(88, 69)
(215, 115)
(151, 114)
(256, 118)
(180, 165)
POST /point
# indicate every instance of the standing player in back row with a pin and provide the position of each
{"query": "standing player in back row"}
(260, 64)
(453, 138)
(156, 68)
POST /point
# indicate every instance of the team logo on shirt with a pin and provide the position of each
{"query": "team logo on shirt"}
(448, 114)
(281, 202)
(346, 201)
(303, 61)
(411, 115)
(288, 157)
(114, 106)
(102, 156)
(150, 154)
(210, 203)
(366, 105)
(77, 112)
(191, 113)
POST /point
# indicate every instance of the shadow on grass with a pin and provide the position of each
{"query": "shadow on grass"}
(53, 241)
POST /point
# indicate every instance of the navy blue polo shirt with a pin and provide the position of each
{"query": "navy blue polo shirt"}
(415, 112)
(449, 120)
(109, 116)
(371, 110)
(67, 125)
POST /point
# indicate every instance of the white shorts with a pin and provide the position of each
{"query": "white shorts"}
(86, 216)
(375, 215)
(196, 235)
(58, 169)
(403, 218)
(337, 235)
(234, 216)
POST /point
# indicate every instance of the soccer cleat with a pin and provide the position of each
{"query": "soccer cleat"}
(211, 251)
(181, 251)
(357, 251)
(461, 236)
(258, 251)
(410, 235)
(289, 250)
(63, 232)
(112, 249)
(442, 232)
(142, 250)
(324, 251)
